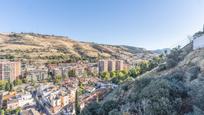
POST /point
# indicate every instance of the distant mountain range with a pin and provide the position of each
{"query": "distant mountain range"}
(160, 51)
(38, 47)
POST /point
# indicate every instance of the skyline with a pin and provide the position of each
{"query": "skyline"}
(146, 24)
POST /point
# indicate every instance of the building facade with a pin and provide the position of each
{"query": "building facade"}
(9, 70)
(103, 65)
(119, 65)
(110, 65)
(198, 42)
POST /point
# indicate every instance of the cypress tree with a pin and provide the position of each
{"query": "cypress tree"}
(77, 104)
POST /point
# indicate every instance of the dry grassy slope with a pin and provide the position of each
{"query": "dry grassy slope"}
(37, 45)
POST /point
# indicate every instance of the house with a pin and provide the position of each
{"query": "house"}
(25, 99)
(12, 104)
(89, 88)
(198, 42)
(37, 75)
(29, 112)
(54, 98)
(20, 100)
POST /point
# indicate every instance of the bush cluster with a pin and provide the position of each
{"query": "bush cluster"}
(95, 108)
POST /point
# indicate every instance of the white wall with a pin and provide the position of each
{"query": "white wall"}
(198, 42)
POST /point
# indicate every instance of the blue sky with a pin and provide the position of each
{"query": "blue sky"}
(151, 24)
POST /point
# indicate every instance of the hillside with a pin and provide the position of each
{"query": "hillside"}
(38, 47)
(173, 91)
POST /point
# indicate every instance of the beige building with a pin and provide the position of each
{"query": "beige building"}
(103, 65)
(110, 65)
(119, 65)
(9, 70)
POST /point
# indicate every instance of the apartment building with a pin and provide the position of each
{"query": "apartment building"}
(119, 65)
(103, 65)
(9, 70)
(110, 65)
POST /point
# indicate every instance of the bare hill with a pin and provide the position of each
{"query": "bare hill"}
(40, 47)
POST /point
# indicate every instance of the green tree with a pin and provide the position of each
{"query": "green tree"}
(17, 82)
(113, 74)
(57, 79)
(32, 82)
(2, 112)
(134, 72)
(72, 73)
(124, 72)
(25, 80)
(2, 84)
(105, 75)
(174, 57)
(144, 66)
(11, 86)
(17, 111)
(77, 103)
(121, 76)
(7, 87)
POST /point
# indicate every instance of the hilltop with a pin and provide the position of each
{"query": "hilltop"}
(38, 47)
(173, 89)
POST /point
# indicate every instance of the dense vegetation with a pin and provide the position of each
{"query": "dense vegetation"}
(179, 90)
(164, 95)
(176, 55)
(119, 77)
(10, 112)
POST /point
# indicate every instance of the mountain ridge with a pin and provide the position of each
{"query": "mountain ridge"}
(39, 46)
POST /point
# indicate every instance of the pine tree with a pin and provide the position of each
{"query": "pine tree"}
(11, 87)
(7, 87)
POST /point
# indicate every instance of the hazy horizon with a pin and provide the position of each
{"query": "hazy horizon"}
(146, 24)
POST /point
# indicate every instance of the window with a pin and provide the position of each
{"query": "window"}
(7, 67)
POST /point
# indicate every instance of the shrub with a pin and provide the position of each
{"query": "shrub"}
(115, 80)
(171, 63)
(125, 87)
(161, 67)
(165, 97)
(173, 58)
(115, 112)
(194, 71)
(177, 75)
(109, 105)
(92, 109)
(138, 87)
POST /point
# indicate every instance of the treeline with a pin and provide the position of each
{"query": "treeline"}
(7, 85)
(118, 77)
(176, 55)
(7, 56)
(10, 112)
